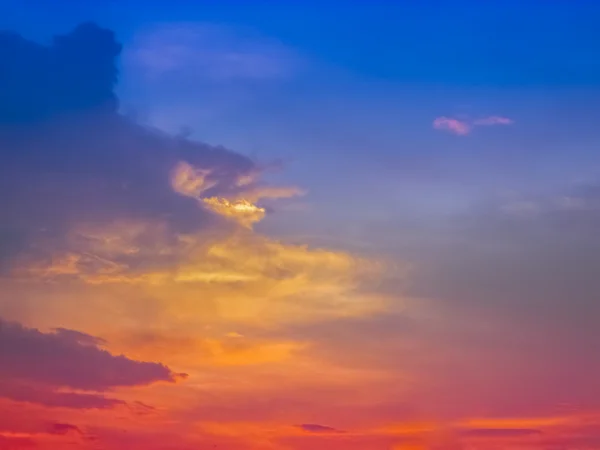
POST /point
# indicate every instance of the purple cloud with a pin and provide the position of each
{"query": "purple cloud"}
(320, 429)
(34, 364)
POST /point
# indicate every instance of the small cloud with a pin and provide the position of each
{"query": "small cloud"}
(494, 120)
(454, 126)
(234, 335)
(320, 429)
(465, 126)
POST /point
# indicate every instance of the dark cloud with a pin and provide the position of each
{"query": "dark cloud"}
(75, 73)
(68, 157)
(64, 428)
(34, 364)
(316, 428)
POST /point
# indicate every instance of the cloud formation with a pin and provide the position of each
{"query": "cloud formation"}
(73, 161)
(34, 365)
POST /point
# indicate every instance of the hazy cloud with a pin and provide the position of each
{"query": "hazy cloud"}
(209, 52)
(493, 120)
(463, 127)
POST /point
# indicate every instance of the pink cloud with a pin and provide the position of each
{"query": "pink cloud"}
(454, 126)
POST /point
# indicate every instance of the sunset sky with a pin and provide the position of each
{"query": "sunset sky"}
(299, 225)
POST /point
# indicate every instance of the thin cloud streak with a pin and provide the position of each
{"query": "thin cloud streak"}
(464, 127)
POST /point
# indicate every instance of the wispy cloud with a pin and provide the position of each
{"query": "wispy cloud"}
(463, 127)
(494, 120)
(454, 126)
(208, 51)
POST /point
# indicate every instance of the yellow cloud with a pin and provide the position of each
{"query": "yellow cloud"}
(244, 277)
(190, 181)
(242, 211)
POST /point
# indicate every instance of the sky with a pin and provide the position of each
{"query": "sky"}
(299, 225)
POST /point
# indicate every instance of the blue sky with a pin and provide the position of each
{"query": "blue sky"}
(357, 86)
